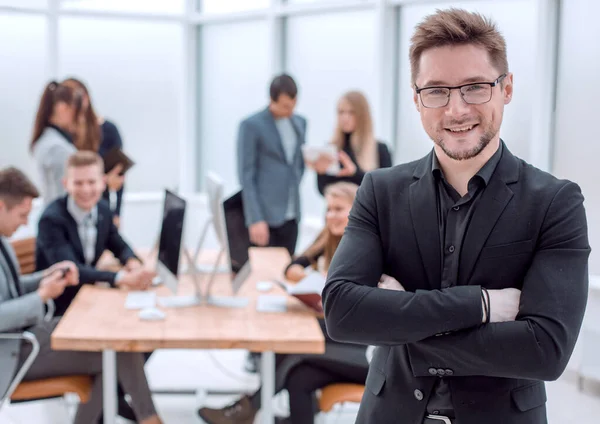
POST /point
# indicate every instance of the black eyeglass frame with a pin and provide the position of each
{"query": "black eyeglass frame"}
(459, 88)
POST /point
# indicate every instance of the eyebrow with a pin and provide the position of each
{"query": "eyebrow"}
(438, 83)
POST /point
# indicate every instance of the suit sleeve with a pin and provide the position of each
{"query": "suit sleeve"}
(22, 312)
(56, 248)
(539, 343)
(247, 158)
(356, 311)
(31, 282)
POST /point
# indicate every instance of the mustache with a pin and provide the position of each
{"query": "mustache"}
(458, 123)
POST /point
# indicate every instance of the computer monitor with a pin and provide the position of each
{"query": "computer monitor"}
(171, 236)
(229, 225)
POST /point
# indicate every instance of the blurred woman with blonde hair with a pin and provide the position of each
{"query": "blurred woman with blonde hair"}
(358, 150)
(302, 375)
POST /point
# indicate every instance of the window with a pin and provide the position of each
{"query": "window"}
(328, 55)
(134, 71)
(234, 83)
(23, 78)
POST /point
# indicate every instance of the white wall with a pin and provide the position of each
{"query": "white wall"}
(133, 70)
(516, 19)
(229, 51)
(328, 55)
(577, 146)
(23, 75)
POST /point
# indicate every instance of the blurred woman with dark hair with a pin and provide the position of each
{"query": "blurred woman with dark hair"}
(52, 139)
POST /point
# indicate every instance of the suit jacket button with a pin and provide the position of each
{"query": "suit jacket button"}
(441, 372)
(418, 394)
(449, 372)
(432, 371)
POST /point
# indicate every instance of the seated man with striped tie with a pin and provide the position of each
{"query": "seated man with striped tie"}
(79, 228)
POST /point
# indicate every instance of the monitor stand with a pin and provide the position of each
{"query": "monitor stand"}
(184, 301)
(198, 298)
(206, 268)
(221, 301)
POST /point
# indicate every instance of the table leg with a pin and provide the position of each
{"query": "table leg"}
(109, 385)
(267, 371)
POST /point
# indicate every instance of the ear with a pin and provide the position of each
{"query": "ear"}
(508, 88)
(64, 182)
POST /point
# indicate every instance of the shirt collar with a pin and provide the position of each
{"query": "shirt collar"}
(485, 173)
(79, 214)
(62, 132)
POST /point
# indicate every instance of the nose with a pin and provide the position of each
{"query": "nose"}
(456, 105)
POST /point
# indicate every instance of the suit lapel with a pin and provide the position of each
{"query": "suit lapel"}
(490, 206)
(11, 283)
(74, 236)
(298, 131)
(423, 209)
(101, 231)
(275, 136)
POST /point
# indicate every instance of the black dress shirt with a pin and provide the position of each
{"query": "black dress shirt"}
(454, 214)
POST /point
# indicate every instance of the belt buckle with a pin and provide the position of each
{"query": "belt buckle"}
(442, 418)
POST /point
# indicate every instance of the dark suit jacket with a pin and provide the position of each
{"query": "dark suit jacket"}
(528, 231)
(111, 138)
(58, 240)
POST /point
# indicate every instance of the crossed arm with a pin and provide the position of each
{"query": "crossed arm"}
(536, 345)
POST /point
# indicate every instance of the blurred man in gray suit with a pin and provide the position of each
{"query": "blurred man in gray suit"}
(270, 167)
(23, 306)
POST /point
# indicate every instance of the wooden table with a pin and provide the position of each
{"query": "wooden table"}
(98, 321)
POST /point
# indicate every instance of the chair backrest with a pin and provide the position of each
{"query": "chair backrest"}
(25, 250)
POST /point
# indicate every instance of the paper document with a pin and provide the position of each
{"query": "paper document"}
(308, 290)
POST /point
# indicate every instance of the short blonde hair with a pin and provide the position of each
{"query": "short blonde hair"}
(85, 158)
(455, 27)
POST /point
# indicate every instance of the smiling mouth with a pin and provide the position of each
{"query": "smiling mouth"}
(461, 130)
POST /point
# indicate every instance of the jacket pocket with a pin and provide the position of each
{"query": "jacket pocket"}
(529, 397)
(509, 249)
(375, 381)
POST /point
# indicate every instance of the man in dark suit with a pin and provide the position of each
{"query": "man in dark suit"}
(270, 168)
(491, 252)
(79, 228)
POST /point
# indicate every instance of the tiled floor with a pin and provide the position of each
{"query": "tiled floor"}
(223, 370)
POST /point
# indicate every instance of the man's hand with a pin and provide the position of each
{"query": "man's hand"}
(504, 304)
(52, 286)
(71, 276)
(117, 221)
(259, 233)
(114, 179)
(390, 283)
(133, 264)
(139, 279)
(348, 167)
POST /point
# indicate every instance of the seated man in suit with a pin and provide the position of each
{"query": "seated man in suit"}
(23, 300)
(78, 227)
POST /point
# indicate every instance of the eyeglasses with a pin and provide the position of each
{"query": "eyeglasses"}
(476, 93)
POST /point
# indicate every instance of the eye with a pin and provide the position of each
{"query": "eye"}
(436, 92)
(474, 88)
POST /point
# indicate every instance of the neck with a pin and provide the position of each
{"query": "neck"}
(56, 123)
(86, 210)
(459, 172)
